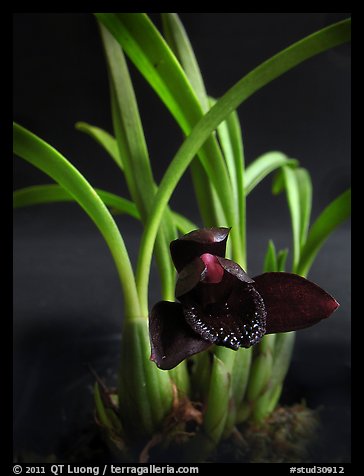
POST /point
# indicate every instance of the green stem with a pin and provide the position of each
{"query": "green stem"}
(145, 391)
(282, 354)
(261, 373)
(239, 383)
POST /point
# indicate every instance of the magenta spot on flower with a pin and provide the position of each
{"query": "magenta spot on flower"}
(214, 270)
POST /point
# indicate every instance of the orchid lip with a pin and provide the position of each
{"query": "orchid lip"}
(214, 271)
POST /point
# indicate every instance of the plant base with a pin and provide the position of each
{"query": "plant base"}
(289, 435)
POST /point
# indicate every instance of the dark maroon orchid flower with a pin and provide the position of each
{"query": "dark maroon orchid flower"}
(220, 304)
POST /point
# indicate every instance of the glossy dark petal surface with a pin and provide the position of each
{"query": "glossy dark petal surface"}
(292, 302)
(198, 242)
(172, 339)
(190, 276)
(239, 321)
(234, 269)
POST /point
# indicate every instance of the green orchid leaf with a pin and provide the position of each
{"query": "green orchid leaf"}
(41, 194)
(127, 125)
(106, 140)
(305, 190)
(270, 260)
(150, 53)
(230, 138)
(40, 154)
(133, 148)
(298, 187)
(332, 217)
(263, 74)
(281, 260)
(263, 166)
(178, 41)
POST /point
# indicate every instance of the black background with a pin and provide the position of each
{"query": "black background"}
(67, 306)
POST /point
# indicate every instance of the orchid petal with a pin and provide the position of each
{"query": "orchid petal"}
(172, 339)
(198, 242)
(234, 269)
(292, 302)
(190, 276)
